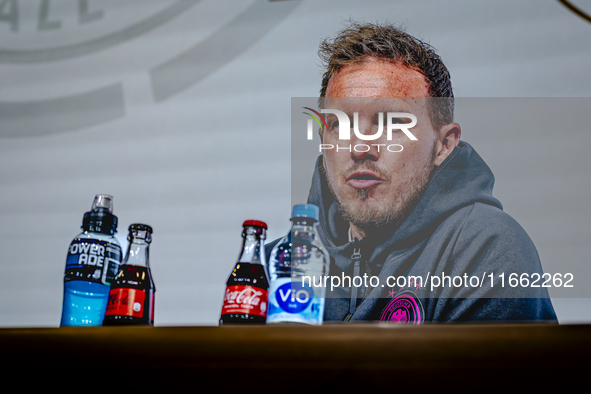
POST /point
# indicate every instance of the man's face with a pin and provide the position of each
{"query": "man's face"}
(376, 187)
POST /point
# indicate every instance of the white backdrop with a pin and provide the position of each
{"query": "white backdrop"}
(181, 111)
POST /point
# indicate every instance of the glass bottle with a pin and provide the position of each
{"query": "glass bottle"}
(131, 299)
(245, 300)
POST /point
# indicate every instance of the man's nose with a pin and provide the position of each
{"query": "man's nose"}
(362, 149)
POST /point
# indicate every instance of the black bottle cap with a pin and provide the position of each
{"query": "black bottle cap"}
(100, 218)
(140, 231)
(140, 227)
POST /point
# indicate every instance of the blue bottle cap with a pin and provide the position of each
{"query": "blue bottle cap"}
(306, 211)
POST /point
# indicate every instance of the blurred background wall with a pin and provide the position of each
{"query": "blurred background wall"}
(181, 111)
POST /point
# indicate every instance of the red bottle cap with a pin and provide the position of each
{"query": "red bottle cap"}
(257, 223)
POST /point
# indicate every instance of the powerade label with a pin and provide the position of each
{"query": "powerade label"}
(245, 300)
(92, 260)
(293, 302)
(127, 302)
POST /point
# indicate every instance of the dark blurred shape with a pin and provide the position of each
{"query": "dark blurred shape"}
(366, 357)
(576, 10)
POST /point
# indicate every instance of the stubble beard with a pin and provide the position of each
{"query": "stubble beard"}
(388, 214)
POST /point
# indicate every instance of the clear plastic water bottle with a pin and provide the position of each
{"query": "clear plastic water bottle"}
(297, 266)
(94, 257)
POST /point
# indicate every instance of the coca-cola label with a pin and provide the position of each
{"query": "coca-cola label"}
(151, 306)
(126, 302)
(243, 299)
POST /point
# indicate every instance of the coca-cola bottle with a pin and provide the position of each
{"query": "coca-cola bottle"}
(245, 300)
(131, 299)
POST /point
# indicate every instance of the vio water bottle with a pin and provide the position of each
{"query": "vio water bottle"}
(297, 267)
(92, 263)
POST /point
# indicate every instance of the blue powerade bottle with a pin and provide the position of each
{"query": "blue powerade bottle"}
(94, 257)
(297, 266)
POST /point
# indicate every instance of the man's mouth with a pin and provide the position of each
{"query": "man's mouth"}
(363, 179)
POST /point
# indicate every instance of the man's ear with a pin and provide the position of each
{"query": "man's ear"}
(449, 138)
(321, 135)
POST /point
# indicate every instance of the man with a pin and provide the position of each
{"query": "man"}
(423, 213)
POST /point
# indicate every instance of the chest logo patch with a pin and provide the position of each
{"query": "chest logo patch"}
(404, 308)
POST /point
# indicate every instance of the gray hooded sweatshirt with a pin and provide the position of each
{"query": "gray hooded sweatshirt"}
(450, 260)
